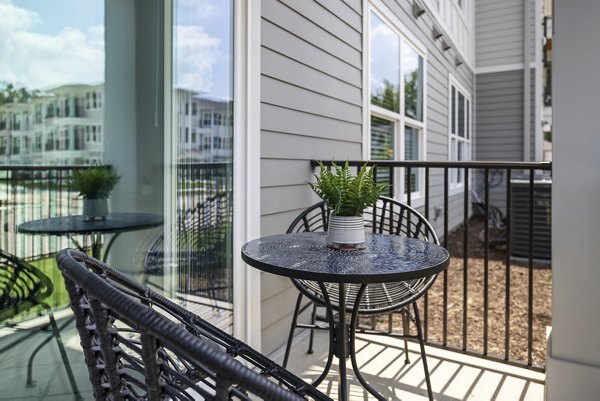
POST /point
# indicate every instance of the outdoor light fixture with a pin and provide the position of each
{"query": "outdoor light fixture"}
(445, 45)
(436, 33)
(418, 10)
(458, 61)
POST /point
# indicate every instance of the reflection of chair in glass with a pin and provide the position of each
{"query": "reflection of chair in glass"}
(139, 345)
(201, 245)
(388, 217)
(22, 287)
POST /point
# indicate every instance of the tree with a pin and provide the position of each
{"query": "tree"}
(11, 94)
(388, 98)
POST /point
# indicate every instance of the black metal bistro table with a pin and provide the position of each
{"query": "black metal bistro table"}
(114, 223)
(387, 258)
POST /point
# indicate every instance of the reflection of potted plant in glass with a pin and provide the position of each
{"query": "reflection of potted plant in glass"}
(346, 195)
(95, 185)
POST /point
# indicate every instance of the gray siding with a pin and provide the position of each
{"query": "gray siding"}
(440, 65)
(499, 116)
(311, 107)
(498, 32)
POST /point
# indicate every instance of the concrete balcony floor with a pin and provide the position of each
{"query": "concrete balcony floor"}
(454, 376)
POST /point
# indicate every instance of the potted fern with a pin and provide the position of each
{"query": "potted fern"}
(95, 185)
(347, 196)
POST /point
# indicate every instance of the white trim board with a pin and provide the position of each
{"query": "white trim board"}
(246, 174)
(502, 68)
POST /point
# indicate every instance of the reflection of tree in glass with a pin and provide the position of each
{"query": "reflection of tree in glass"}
(411, 95)
(387, 97)
(10, 94)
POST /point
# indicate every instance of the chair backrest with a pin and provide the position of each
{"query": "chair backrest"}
(139, 345)
(22, 286)
(388, 216)
(201, 235)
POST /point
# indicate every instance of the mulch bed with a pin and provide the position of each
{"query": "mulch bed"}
(518, 305)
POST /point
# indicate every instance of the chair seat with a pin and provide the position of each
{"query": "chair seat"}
(378, 298)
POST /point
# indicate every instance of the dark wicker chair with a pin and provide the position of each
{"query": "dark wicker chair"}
(22, 287)
(139, 345)
(201, 241)
(388, 216)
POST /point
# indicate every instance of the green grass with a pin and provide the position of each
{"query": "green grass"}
(58, 298)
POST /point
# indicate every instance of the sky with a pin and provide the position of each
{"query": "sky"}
(41, 45)
(45, 43)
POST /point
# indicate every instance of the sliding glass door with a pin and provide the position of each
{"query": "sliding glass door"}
(201, 85)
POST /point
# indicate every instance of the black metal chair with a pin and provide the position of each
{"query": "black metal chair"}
(388, 216)
(139, 345)
(22, 287)
(201, 241)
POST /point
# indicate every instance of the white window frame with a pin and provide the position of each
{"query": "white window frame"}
(467, 141)
(246, 156)
(399, 119)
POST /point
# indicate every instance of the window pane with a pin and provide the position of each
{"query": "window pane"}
(453, 101)
(382, 148)
(460, 156)
(203, 104)
(411, 152)
(52, 62)
(385, 64)
(468, 118)
(461, 115)
(412, 64)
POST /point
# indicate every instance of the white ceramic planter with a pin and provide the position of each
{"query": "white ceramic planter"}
(95, 209)
(346, 232)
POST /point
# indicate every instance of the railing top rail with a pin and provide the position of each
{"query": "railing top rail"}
(36, 167)
(547, 166)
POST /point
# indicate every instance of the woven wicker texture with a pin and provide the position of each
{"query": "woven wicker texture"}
(139, 345)
(22, 286)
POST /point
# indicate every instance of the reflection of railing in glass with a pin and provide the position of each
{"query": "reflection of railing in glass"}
(202, 236)
(34, 192)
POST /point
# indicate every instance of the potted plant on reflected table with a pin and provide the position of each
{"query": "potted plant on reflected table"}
(95, 185)
(346, 195)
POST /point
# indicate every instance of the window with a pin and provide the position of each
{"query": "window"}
(460, 131)
(396, 76)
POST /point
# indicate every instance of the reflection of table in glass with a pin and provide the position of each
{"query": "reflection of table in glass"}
(114, 223)
(388, 258)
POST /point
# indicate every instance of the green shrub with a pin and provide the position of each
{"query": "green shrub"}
(96, 182)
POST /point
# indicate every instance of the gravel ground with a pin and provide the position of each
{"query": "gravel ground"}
(518, 305)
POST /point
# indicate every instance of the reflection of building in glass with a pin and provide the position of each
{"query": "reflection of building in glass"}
(62, 125)
(65, 125)
(205, 128)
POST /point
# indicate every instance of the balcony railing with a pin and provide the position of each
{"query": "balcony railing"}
(494, 217)
(35, 192)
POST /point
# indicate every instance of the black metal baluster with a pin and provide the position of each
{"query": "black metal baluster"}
(445, 312)
(408, 186)
(507, 278)
(530, 283)
(465, 256)
(426, 296)
(486, 248)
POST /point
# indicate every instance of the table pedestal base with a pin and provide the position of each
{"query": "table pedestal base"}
(342, 343)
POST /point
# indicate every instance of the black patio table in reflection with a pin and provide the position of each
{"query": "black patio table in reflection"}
(387, 258)
(114, 223)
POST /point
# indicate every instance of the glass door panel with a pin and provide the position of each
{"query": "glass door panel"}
(202, 149)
